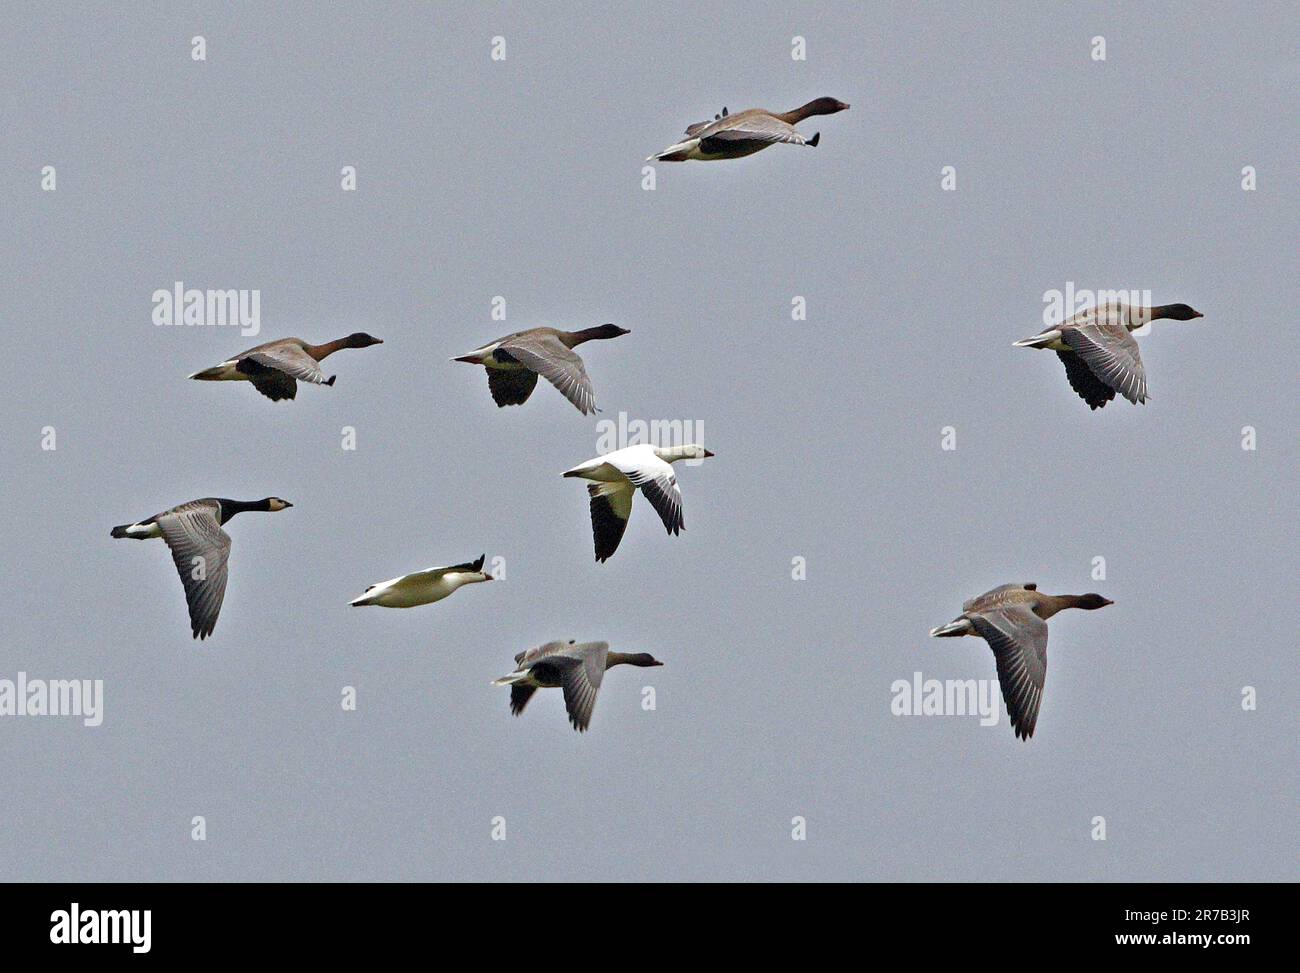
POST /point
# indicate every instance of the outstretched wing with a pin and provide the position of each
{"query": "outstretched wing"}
(511, 386)
(549, 357)
(287, 358)
(201, 550)
(580, 676)
(1111, 354)
(519, 697)
(1018, 639)
(759, 127)
(1090, 388)
(658, 484)
(611, 506)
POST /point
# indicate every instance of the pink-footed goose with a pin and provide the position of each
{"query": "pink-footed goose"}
(276, 367)
(575, 667)
(514, 362)
(1012, 619)
(1100, 356)
(733, 136)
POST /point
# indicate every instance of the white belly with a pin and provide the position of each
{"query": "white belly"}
(401, 593)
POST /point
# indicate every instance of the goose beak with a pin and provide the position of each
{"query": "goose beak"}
(707, 454)
(1107, 601)
(1198, 314)
(287, 505)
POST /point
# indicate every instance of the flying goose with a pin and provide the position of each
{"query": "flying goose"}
(617, 476)
(575, 667)
(1012, 619)
(1100, 356)
(746, 132)
(514, 362)
(422, 587)
(275, 367)
(200, 548)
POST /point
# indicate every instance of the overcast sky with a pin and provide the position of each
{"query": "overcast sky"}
(522, 178)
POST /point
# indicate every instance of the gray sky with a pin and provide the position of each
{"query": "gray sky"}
(522, 178)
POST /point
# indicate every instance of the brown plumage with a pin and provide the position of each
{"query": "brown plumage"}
(733, 136)
(514, 362)
(1012, 619)
(275, 367)
(575, 667)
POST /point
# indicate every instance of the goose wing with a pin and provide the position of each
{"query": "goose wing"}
(549, 357)
(519, 697)
(1111, 355)
(541, 652)
(758, 127)
(511, 386)
(432, 574)
(581, 668)
(1018, 639)
(201, 550)
(285, 357)
(658, 484)
(1090, 388)
(611, 506)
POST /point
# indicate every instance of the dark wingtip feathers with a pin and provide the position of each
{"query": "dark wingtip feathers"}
(330, 380)
(817, 137)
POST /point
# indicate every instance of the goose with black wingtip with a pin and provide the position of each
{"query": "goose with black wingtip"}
(514, 362)
(275, 368)
(1012, 619)
(422, 587)
(575, 667)
(200, 549)
(619, 474)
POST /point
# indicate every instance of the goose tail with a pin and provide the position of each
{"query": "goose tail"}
(958, 626)
(120, 531)
(675, 153)
(1038, 340)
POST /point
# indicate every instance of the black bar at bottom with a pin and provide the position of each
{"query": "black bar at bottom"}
(213, 922)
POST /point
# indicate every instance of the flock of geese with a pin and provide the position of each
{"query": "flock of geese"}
(1096, 346)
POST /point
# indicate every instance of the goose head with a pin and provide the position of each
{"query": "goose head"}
(1180, 312)
(275, 504)
(825, 106)
(360, 339)
(1091, 602)
(691, 451)
(642, 659)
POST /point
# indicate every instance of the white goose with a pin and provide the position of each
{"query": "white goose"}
(422, 587)
(617, 476)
